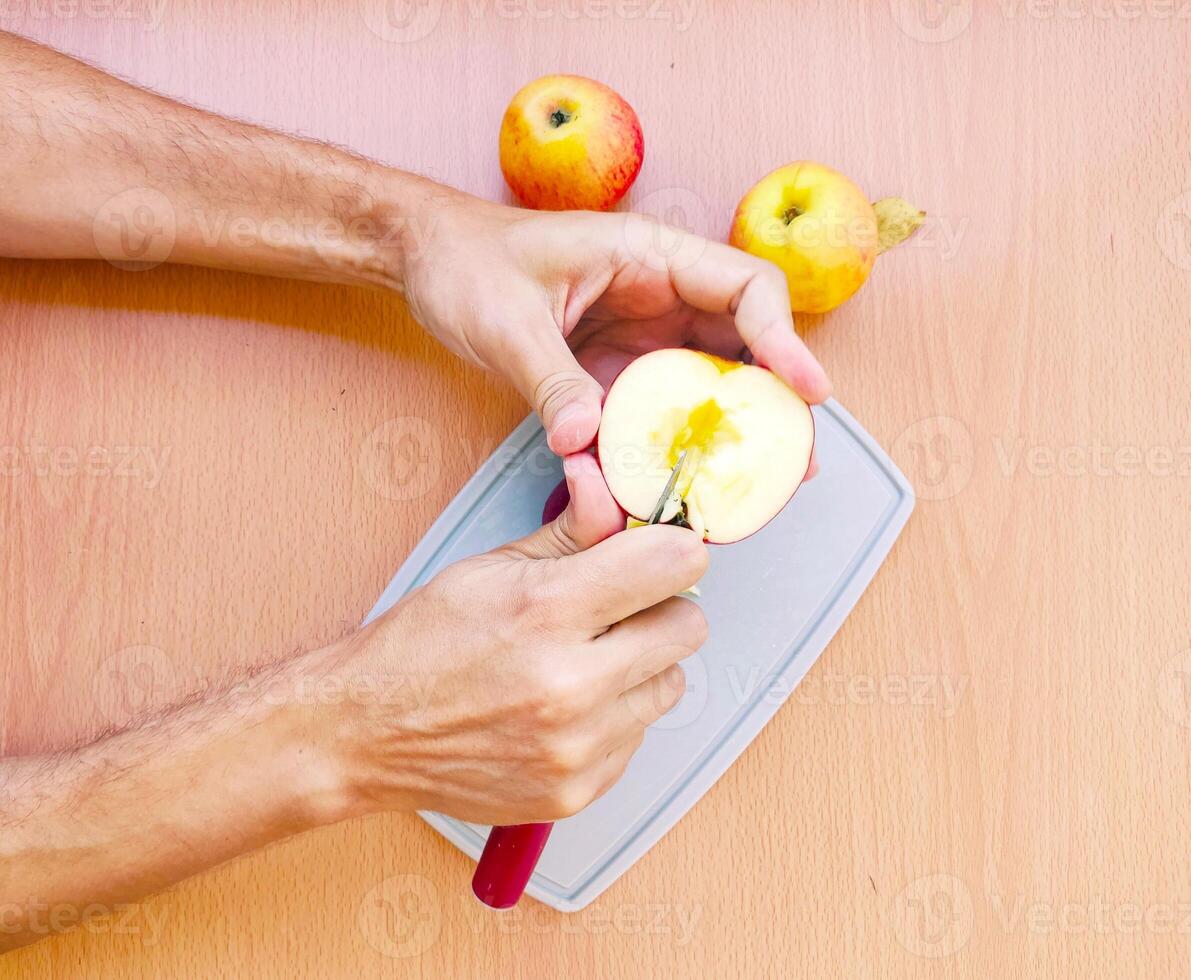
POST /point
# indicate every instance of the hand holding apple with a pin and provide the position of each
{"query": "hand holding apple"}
(570, 143)
(560, 303)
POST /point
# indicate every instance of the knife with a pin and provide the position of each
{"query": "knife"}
(512, 852)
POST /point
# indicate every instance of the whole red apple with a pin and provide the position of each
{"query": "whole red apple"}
(570, 143)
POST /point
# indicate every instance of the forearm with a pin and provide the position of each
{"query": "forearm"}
(114, 821)
(93, 167)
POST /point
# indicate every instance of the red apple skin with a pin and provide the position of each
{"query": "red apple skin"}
(587, 162)
(814, 434)
(556, 503)
(814, 437)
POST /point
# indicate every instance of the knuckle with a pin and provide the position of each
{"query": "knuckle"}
(622, 764)
(562, 539)
(533, 599)
(556, 699)
(691, 556)
(446, 588)
(568, 798)
(691, 625)
(567, 757)
(773, 277)
(546, 595)
(673, 684)
(559, 386)
(524, 599)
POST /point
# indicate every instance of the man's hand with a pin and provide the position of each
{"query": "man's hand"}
(517, 291)
(522, 680)
(541, 663)
(514, 687)
(87, 159)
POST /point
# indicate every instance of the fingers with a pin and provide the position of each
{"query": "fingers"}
(655, 696)
(566, 398)
(718, 278)
(723, 279)
(648, 642)
(590, 516)
(639, 708)
(607, 774)
(628, 572)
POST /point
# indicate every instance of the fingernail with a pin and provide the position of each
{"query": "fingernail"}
(566, 425)
(572, 465)
(569, 413)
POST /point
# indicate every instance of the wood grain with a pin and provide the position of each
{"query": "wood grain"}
(987, 772)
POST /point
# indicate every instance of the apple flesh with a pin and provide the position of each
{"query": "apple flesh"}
(570, 143)
(748, 438)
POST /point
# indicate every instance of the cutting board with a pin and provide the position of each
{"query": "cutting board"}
(773, 602)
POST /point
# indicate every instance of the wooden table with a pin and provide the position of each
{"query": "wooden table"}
(987, 772)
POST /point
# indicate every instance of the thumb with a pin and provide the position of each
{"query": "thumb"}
(591, 514)
(566, 398)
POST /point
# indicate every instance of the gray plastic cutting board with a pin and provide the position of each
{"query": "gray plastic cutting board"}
(772, 601)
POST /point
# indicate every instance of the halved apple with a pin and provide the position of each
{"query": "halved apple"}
(748, 438)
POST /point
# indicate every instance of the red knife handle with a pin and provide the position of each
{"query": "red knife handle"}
(507, 863)
(512, 852)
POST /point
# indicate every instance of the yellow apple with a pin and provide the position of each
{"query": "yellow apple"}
(814, 224)
(570, 143)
